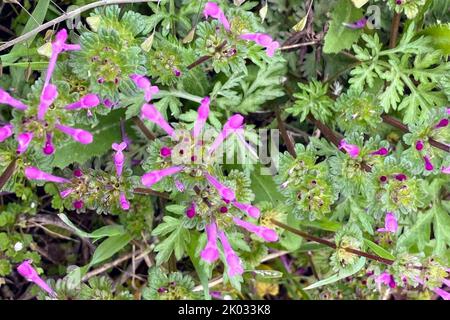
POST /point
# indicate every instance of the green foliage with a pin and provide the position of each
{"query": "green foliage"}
(339, 37)
(312, 99)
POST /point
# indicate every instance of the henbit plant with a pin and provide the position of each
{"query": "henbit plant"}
(130, 131)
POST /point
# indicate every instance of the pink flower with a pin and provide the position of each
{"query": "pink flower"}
(263, 40)
(88, 101)
(442, 124)
(78, 204)
(233, 124)
(213, 10)
(203, 113)
(179, 185)
(267, 234)
(419, 145)
(124, 204)
(150, 112)
(390, 223)
(5, 132)
(386, 279)
(144, 83)
(65, 193)
(79, 135)
(248, 208)
(359, 24)
(445, 170)
(33, 173)
(49, 148)
(224, 191)
(49, 94)
(210, 253)
(155, 176)
(351, 149)
(119, 158)
(442, 293)
(58, 46)
(30, 274)
(24, 140)
(165, 152)
(190, 212)
(380, 152)
(428, 165)
(5, 98)
(400, 177)
(233, 261)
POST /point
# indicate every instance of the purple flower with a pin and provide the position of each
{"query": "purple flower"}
(49, 94)
(65, 193)
(179, 185)
(390, 223)
(150, 112)
(176, 72)
(267, 234)
(78, 204)
(400, 177)
(144, 83)
(165, 152)
(428, 165)
(49, 148)
(213, 10)
(33, 173)
(233, 124)
(124, 203)
(150, 178)
(442, 293)
(79, 135)
(5, 98)
(202, 115)
(445, 170)
(380, 152)
(24, 140)
(359, 24)
(88, 101)
(419, 145)
(119, 158)
(233, 261)
(210, 253)
(442, 124)
(386, 279)
(30, 274)
(263, 40)
(225, 192)
(351, 149)
(58, 46)
(5, 132)
(190, 212)
(252, 211)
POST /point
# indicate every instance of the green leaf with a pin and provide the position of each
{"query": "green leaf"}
(105, 133)
(175, 242)
(106, 231)
(380, 251)
(202, 272)
(264, 187)
(109, 247)
(339, 37)
(419, 233)
(336, 277)
(38, 14)
(440, 35)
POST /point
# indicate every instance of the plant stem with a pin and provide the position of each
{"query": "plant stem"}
(151, 192)
(7, 173)
(205, 58)
(400, 125)
(141, 125)
(394, 30)
(331, 244)
(287, 140)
